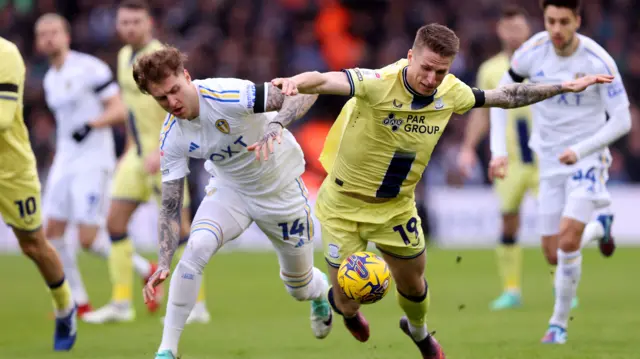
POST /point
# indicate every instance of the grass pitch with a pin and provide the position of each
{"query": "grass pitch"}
(253, 317)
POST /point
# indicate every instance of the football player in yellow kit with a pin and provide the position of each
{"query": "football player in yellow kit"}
(378, 152)
(512, 30)
(20, 194)
(137, 176)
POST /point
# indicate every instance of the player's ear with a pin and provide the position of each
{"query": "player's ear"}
(578, 21)
(410, 55)
(186, 75)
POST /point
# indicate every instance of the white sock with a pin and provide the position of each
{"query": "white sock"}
(314, 291)
(101, 247)
(71, 271)
(567, 278)
(200, 307)
(418, 333)
(318, 287)
(592, 231)
(183, 292)
(141, 265)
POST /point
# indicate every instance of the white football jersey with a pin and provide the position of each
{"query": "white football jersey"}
(226, 126)
(74, 93)
(566, 119)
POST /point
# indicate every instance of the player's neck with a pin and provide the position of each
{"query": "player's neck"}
(569, 50)
(58, 60)
(508, 52)
(195, 103)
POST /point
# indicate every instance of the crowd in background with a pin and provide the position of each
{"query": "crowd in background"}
(259, 40)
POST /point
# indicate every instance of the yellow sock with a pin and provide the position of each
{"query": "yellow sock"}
(177, 256)
(61, 293)
(510, 266)
(121, 270)
(416, 311)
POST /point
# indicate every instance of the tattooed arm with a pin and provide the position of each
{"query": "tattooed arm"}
(289, 108)
(169, 220)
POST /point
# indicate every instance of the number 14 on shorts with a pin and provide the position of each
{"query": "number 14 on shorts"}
(296, 229)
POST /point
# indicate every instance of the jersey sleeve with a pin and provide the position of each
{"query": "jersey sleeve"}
(466, 97)
(235, 97)
(363, 82)
(12, 72)
(525, 56)
(174, 163)
(613, 95)
(102, 81)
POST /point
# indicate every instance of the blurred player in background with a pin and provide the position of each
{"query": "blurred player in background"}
(137, 176)
(20, 194)
(219, 120)
(81, 92)
(571, 135)
(522, 176)
(398, 116)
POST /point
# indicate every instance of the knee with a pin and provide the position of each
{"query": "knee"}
(86, 242)
(116, 224)
(200, 247)
(32, 247)
(570, 235)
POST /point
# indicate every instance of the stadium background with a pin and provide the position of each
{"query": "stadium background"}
(260, 40)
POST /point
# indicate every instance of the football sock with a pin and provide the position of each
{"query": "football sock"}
(62, 298)
(510, 264)
(416, 310)
(101, 246)
(71, 271)
(181, 246)
(183, 292)
(121, 268)
(307, 286)
(566, 285)
(141, 265)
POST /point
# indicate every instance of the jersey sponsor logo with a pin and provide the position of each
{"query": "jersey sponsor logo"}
(412, 124)
(228, 152)
(569, 99)
(223, 126)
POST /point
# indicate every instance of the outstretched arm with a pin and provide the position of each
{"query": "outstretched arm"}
(520, 95)
(314, 82)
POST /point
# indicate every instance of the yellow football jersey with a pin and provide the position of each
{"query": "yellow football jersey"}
(384, 137)
(519, 120)
(16, 155)
(145, 115)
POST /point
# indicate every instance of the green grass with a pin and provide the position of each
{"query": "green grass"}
(253, 317)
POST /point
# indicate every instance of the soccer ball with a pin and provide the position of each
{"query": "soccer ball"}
(364, 277)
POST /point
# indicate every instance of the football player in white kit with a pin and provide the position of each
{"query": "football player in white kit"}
(219, 119)
(570, 136)
(85, 100)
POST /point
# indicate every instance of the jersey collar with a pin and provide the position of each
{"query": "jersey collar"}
(419, 101)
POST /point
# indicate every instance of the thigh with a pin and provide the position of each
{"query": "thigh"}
(551, 201)
(56, 200)
(400, 237)
(129, 181)
(221, 213)
(512, 188)
(89, 193)
(20, 203)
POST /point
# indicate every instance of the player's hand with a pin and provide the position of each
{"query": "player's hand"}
(498, 167)
(155, 280)
(152, 163)
(81, 133)
(580, 84)
(467, 159)
(287, 85)
(568, 157)
(265, 145)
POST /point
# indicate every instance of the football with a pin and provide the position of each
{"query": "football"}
(364, 277)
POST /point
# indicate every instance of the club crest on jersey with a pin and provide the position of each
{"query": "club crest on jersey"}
(223, 126)
(393, 122)
(439, 104)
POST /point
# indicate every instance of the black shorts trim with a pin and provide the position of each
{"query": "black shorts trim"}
(402, 257)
